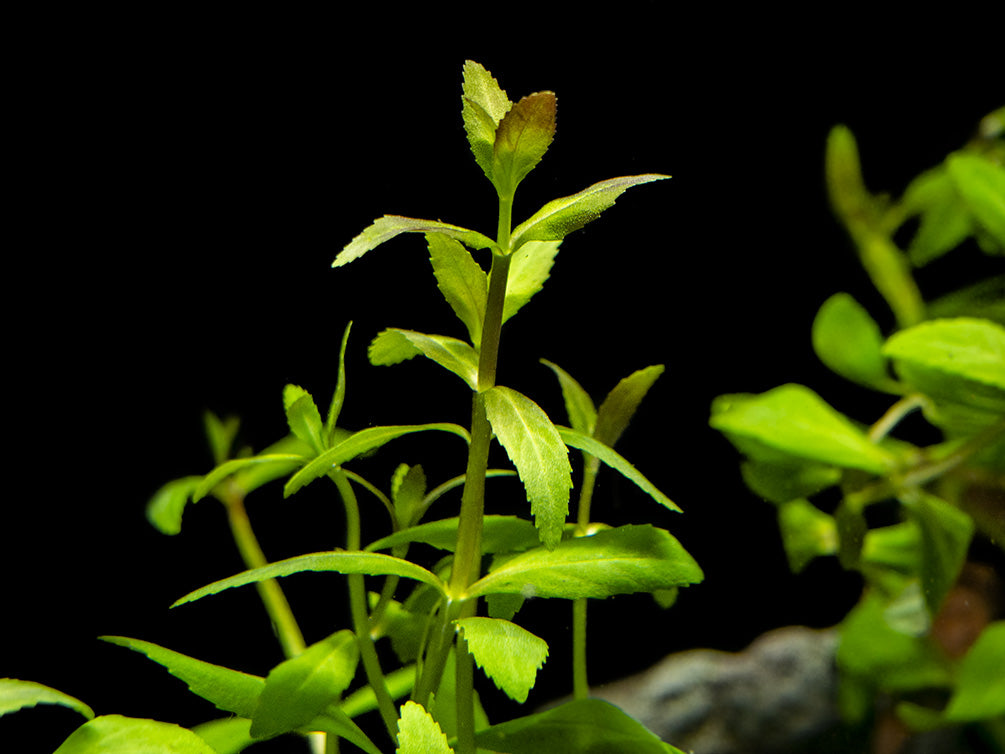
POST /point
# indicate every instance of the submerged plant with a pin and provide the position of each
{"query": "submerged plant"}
(440, 617)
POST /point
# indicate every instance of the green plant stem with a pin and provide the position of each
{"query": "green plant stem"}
(580, 681)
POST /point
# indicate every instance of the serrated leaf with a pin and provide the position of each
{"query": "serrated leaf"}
(499, 534)
(611, 458)
(358, 443)
(848, 341)
(276, 461)
(299, 689)
(586, 726)
(622, 402)
(115, 734)
(535, 447)
(387, 227)
(521, 140)
(529, 269)
(508, 654)
(419, 733)
(484, 104)
(166, 505)
(461, 280)
(578, 404)
(981, 183)
(623, 560)
(338, 397)
(345, 562)
(393, 346)
(556, 219)
(303, 417)
(793, 422)
(16, 695)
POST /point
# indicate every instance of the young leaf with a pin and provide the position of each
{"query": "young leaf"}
(622, 402)
(585, 726)
(508, 654)
(299, 689)
(461, 280)
(521, 139)
(338, 397)
(484, 106)
(387, 227)
(981, 183)
(419, 733)
(587, 444)
(614, 561)
(165, 508)
(374, 564)
(578, 404)
(15, 695)
(275, 461)
(393, 346)
(303, 417)
(848, 341)
(792, 421)
(221, 435)
(556, 219)
(115, 734)
(541, 458)
(529, 269)
(358, 443)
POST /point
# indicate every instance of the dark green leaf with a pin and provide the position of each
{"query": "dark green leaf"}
(529, 269)
(807, 532)
(781, 482)
(387, 227)
(587, 726)
(614, 561)
(945, 220)
(408, 488)
(945, 538)
(115, 734)
(541, 458)
(521, 139)
(848, 341)
(578, 404)
(499, 534)
(461, 280)
(393, 346)
(165, 508)
(558, 218)
(980, 682)
(508, 654)
(15, 695)
(419, 733)
(622, 402)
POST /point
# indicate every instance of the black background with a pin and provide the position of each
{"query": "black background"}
(183, 183)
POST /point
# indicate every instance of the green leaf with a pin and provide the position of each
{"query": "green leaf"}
(419, 733)
(848, 341)
(363, 700)
(220, 434)
(807, 532)
(981, 183)
(115, 734)
(945, 538)
(623, 560)
(374, 564)
(980, 682)
(578, 404)
(387, 227)
(541, 458)
(611, 458)
(359, 443)
(338, 397)
(945, 221)
(229, 690)
(15, 695)
(508, 654)
(529, 269)
(461, 280)
(973, 349)
(165, 508)
(393, 346)
(558, 218)
(484, 106)
(303, 417)
(586, 726)
(849, 197)
(792, 421)
(622, 402)
(299, 689)
(521, 140)
(408, 488)
(229, 735)
(276, 461)
(499, 534)
(781, 482)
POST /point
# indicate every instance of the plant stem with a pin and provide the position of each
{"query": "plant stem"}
(580, 682)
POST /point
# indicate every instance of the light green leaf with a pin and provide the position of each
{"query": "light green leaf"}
(521, 140)
(499, 534)
(529, 269)
(556, 219)
(371, 563)
(791, 422)
(419, 733)
(299, 689)
(229, 735)
(945, 221)
(276, 461)
(387, 227)
(807, 532)
(622, 402)
(393, 346)
(303, 417)
(981, 183)
(586, 726)
(946, 532)
(508, 654)
(15, 695)
(848, 341)
(359, 443)
(461, 280)
(229, 690)
(165, 508)
(484, 106)
(611, 458)
(338, 397)
(973, 349)
(541, 458)
(623, 560)
(980, 682)
(578, 404)
(221, 434)
(115, 734)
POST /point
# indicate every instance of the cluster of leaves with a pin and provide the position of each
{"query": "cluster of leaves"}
(427, 610)
(945, 358)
